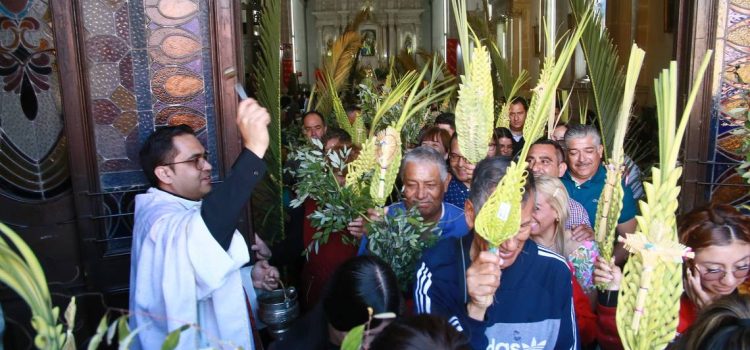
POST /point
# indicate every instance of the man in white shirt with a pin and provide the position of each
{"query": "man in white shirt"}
(187, 254)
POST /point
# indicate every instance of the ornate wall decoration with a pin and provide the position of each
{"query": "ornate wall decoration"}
(733, 58)
(33, 151)
(149, 65)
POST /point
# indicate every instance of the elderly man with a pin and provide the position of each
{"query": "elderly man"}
(546, 157)
(187, 253)
(586, 176)
(313, 125)
(519, 297)
(425, 178)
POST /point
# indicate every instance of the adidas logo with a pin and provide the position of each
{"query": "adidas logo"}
(517, 346)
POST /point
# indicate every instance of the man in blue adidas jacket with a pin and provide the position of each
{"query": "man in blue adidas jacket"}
(521, 298)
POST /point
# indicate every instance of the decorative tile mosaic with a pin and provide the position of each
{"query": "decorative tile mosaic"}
(33, 161)
(146, 60)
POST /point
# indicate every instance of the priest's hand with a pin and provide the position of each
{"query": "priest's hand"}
(252, 121)
(482, 281)
(265, 276)
(262, 252)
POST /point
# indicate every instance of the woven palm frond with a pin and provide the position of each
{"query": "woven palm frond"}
(270, 218)
(388, 160)
(500, 217)
(648, 300)
(359, 131)
(475, 109)
(652, 282)
(610, 201)
(605, 72)
(360, 168)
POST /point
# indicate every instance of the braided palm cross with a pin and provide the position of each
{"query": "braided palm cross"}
(652, 254)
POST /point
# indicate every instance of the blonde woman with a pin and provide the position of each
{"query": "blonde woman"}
(548, 230)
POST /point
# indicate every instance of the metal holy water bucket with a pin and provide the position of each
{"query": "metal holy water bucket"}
(278, 311)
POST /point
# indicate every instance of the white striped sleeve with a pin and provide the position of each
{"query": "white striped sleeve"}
(421, 297)
(456, 324)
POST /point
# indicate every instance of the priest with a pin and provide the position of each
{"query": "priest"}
(187, 254)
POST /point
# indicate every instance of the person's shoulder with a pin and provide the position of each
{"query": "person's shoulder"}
(453, 210)
(549, 256)
(446, 251)
(553, 263)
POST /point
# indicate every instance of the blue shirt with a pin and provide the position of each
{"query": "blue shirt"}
(533, 306)
(588, 194)
(457, 193)
(452, 222)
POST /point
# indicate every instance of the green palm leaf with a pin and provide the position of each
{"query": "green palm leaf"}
(607, 78)
(268, 77)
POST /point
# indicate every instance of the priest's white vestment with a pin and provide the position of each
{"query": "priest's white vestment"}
(179, 274)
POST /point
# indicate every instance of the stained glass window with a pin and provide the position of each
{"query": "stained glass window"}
(149, 65)
(33, 149)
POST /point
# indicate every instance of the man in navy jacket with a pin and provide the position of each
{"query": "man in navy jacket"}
(519, 298)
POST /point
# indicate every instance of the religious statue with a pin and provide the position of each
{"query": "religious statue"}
(368, 43)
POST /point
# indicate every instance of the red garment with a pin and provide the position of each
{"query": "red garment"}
(585, 317)
(688, 313)
(608, 336)
(319, 267)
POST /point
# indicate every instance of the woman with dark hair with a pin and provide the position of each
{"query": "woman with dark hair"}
(723, 325)
(503, 142)
(358, 284)
(720, 237)
(420, 332)
(437, 139)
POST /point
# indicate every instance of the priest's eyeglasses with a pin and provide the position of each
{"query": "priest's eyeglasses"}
(739, 272)
(198, 161)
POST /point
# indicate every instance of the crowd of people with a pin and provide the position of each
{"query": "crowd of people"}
(538, 291)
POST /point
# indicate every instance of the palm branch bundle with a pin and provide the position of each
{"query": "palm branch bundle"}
(267, 199)
(388, 141)
(338, 66)
(610, 200)
(370, 177)
(652, 282)
(500, 217)
(607, 78)
(357, 129)
(22, 273)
